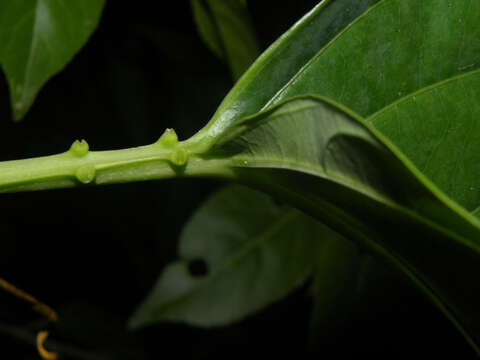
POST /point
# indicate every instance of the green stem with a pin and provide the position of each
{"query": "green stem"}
(167, 158)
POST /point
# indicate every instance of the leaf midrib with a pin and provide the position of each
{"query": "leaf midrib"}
(30, 54)
(438, 85)
(316, 171)
(441, 197)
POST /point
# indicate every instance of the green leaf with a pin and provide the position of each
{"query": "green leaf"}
(327, 161)
(37, 39)
(416, 44)
(391, 50)
(278, 64)
(207, 27)
(438, 128)
(335, 287)
(476, 212)
(348, 284)
(226, 28)
(321, 26)
(283, 59)
(255, 253)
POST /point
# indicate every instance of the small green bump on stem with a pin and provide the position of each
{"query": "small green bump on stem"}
(179, 157)
(168, 139)
(85, 173)
(79, 148)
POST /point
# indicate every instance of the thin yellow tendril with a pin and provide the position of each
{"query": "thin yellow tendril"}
(44, 353)
(37, 305)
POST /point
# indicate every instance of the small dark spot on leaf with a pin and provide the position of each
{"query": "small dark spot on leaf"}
(278, 202)
(198, 268)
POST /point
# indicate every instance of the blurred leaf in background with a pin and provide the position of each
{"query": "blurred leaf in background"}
(226, 28)
(250, 253)
(37, 39)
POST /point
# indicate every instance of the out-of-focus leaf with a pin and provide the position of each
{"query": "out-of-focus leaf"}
(253, 253)
(226, 28)
(476, 212)
(37, 39)
(335, 287)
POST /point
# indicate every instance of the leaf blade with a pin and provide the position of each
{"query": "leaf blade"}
(436, 128)
(226, 28)
(37, 39)
(360, 185)
(282, 60)
(245, 240)
(417, 43)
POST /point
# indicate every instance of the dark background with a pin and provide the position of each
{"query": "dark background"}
(93, 253)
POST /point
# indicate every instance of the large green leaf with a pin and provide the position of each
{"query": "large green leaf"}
(368, 82)
(226, 28)
(283, 59)
(328, 162)
(38, 38)
(215, 21)
(255, 253)
(416, 45)
(438, 128)
(395, 48)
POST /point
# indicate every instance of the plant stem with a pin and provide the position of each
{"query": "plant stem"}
(164, 159)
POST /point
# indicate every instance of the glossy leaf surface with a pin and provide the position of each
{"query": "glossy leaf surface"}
(210, 17)
(226, 28)
(327, 161)
(393, 49)
(429, 42)
(283, 59)
(37, 39)
(438, 128)
(270, 73)
(442, 36)
(417, 44)
(254, 251)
